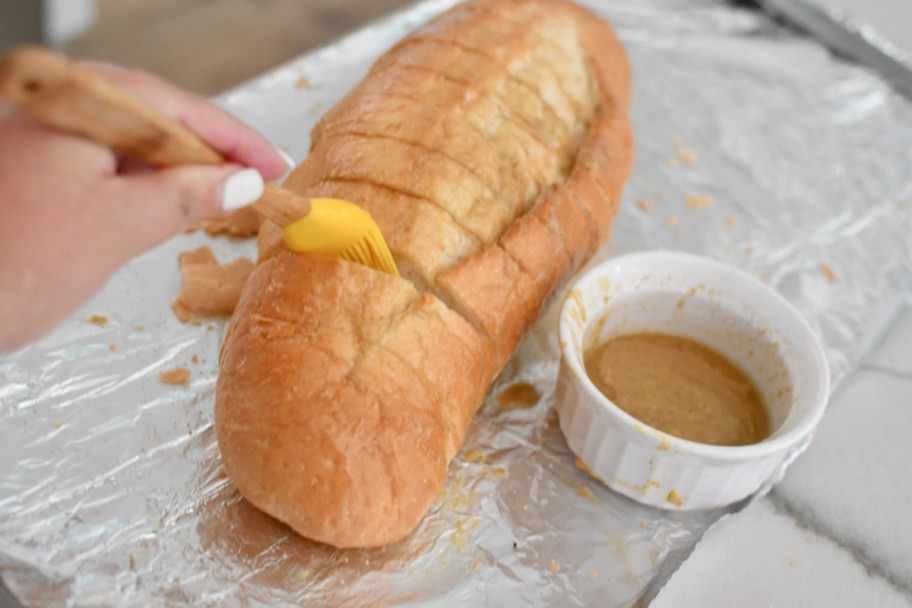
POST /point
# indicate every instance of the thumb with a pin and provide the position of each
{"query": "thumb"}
(151, 206)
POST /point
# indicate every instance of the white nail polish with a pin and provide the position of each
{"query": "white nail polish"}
(241, 189)
(287, 158)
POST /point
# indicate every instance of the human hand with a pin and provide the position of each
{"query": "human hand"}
(72, 211)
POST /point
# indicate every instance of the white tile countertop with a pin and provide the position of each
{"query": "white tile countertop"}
(836, 530)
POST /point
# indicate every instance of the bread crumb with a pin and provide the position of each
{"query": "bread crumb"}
(593, 574)
(139, 327)
(686, 156)
(194, 359)
(58, 425)
(302, 83)
(644, 204)
(555, 567)
(179, 376)
(698, 201)
(473, 456)
(828, 272)
(730, 220)
(671, 221)
(99, 320)
(674, 498)
(584, 467)
(112, 347)
(209, 289)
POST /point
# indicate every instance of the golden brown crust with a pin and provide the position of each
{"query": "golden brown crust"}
(491, 147)
(448, 121)
(602, 166)
(493, 292)
(356, 457)
(502, 298)
(480, 72)
(422, 237)
(480, 28)
(411, 169)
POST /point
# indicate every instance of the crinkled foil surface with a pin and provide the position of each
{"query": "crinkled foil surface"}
(755, 147)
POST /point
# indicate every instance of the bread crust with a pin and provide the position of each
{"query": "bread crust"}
(491, 147)
(356, 457)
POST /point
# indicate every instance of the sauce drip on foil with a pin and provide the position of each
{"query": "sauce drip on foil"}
(519, 395)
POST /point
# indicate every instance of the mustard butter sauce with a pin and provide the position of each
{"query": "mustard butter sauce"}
(681, 387)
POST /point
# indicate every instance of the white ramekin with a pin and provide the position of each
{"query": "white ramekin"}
(719, 306)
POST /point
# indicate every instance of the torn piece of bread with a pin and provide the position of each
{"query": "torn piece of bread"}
(209, 289)
(241, 224)
(491, 147)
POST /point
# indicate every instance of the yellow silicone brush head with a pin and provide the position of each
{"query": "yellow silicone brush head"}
(340, 228)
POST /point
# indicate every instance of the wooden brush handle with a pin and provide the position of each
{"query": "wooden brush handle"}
(77, 100)
(73, 99)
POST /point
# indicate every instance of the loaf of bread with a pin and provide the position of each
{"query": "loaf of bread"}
(491, 147)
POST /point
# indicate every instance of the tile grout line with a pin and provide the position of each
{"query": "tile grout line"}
(785, 507)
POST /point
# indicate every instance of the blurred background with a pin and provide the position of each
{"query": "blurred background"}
(206, 46)
(209, 46)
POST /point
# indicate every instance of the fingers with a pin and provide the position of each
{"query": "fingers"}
(28, 142)
(147, 208)
(238, 142)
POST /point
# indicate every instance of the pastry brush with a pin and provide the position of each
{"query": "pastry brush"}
(73, 99)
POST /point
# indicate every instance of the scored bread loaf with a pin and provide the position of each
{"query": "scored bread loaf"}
(491, 147)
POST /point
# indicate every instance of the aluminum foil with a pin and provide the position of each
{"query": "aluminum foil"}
(755, 147)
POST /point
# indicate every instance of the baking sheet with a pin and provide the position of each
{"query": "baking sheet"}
(755, 147)
(847, 36)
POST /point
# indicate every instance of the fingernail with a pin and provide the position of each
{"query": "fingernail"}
(287, 158)
(241, 189)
